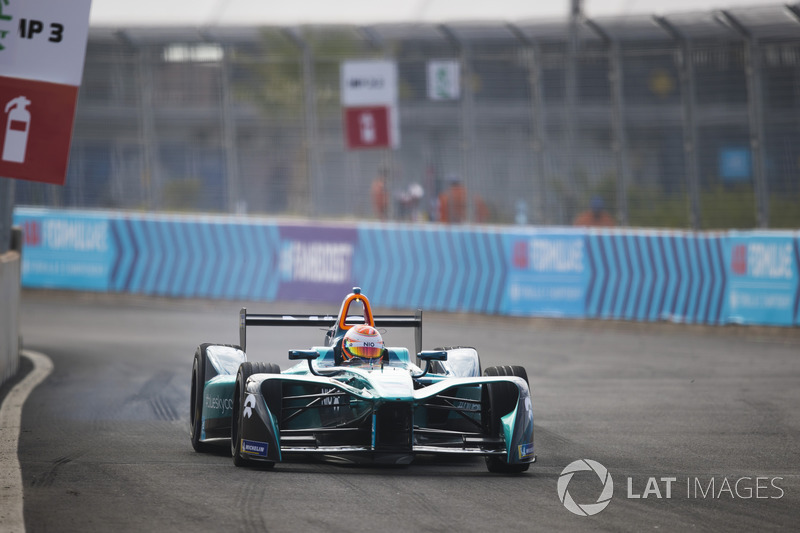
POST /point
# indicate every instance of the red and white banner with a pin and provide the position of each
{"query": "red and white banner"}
(42, 50)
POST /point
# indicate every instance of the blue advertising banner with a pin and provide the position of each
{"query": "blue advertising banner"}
(316, 263)
(197, 257)
(66, 250)
(762, 279)
(548, 274)
(642, 275)
(651, 276)
(430, 267)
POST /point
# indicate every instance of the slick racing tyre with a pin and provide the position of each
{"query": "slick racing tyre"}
(507, 370)
(501, 399)
(245, 371)
(196, 400)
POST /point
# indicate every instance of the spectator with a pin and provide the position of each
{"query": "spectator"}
(595, 216)
(380, 196)
(453, 203)
(481, 209)
(409, 203)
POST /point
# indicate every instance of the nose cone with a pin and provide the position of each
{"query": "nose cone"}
(392, 383)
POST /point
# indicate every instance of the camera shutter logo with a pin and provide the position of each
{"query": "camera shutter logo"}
(587, 509)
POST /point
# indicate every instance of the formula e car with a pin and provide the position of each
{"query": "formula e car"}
(388, 411)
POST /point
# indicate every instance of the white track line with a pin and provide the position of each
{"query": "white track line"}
(11, 514)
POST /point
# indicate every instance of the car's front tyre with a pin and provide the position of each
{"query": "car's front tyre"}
(196, 400)
(246, 370)
(502, 397)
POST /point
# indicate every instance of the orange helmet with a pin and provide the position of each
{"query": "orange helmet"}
(362, 344)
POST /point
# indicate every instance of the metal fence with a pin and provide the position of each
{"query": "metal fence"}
(686, 121)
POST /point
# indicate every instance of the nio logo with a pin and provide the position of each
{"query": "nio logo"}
(587, 509)
(249, 404)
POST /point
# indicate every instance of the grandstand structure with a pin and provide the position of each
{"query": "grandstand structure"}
(681, 121)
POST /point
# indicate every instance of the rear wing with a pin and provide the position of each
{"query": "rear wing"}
(328, 321)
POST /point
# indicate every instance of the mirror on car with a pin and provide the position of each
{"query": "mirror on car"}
(295, 355)
(433, 355)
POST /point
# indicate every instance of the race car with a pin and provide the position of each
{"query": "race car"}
(355, 399)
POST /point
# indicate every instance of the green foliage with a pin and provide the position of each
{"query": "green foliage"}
(576, 196)
(728, 208)
(784, 211)
(273, 78)
(650, 208)
(182, 195)
(721, 208)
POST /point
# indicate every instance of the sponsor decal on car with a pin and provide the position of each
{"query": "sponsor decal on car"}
(525, 450)
(253, 447)
(249, 404)
(221, 404)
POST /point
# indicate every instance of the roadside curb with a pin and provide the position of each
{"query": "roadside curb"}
(11, 495)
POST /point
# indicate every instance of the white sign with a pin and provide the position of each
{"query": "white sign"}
(44, 40)
(369, 83)
(444, 80)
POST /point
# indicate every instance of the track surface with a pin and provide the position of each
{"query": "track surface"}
(105, 446)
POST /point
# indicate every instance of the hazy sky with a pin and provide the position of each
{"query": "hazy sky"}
(268, 12)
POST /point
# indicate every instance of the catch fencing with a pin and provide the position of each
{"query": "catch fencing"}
(687, 121)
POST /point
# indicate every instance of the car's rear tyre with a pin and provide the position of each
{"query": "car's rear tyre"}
(507, 370)
(196, 400)
(501, 399)
(246, 370)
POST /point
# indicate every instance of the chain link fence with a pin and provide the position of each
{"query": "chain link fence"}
(687, 121)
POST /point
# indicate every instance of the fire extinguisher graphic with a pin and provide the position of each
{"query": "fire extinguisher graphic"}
(17, 129)
(367, 127)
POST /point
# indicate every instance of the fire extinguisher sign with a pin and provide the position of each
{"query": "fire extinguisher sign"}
(42, 50)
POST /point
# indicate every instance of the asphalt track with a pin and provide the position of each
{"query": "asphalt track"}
(104, 440)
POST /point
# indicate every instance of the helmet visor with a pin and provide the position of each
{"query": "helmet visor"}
(365, 352)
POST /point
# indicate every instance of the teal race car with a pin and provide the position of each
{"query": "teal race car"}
(382, 407)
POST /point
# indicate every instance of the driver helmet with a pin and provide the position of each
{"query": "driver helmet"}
(362, 344)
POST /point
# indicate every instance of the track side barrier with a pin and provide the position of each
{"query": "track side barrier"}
(10, 265)
(623, 274)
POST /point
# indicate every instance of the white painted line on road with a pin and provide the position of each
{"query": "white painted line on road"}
(11, 515)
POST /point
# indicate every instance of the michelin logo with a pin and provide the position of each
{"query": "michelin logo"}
(252, 447)
(525, 450)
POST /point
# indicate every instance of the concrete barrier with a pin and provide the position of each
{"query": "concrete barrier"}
(10, 271)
